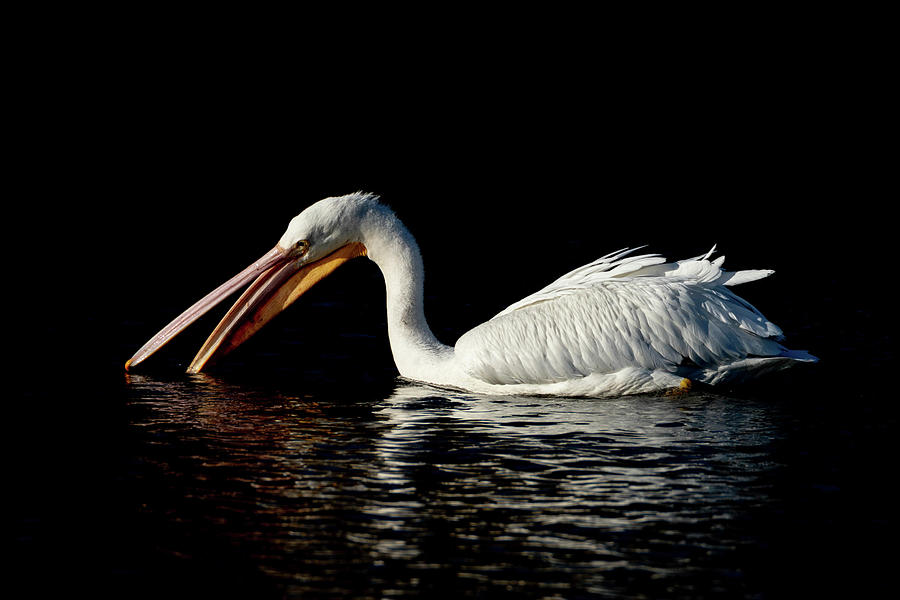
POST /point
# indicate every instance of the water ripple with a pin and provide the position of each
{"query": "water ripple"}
(389, 496)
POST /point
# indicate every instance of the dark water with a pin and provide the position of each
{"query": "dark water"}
(429, 491)
(206, 486)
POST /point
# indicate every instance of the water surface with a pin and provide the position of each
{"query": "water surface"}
(407, 490)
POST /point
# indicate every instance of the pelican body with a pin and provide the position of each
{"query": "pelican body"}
(622, 324)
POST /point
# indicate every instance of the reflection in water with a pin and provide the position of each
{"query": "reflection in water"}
(431, 490)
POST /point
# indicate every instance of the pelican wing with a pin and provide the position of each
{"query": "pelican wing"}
(621, 311)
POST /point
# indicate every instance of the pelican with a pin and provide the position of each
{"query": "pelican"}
(623, 324)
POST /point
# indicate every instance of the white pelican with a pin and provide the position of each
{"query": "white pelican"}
(621, 324)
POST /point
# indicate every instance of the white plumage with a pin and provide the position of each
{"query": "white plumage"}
(622, 324)
(625, 312)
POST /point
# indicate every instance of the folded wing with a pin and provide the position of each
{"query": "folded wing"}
(622, 311)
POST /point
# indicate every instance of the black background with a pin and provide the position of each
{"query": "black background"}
(139, 156)
(150, 157)
(148, 168)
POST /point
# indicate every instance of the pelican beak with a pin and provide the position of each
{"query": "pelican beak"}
(280, 278)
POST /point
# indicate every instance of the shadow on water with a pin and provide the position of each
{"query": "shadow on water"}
(422, 491)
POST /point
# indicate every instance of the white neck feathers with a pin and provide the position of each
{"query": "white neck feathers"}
(417, 353)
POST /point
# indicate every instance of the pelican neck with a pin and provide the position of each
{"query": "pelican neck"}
(417, 352)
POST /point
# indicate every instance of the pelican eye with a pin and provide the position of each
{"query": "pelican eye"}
(301, 247)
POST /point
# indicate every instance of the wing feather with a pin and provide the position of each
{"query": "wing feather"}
(621, 311)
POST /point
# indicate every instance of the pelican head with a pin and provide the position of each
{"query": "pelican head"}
(327, 226)
(316, 242)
